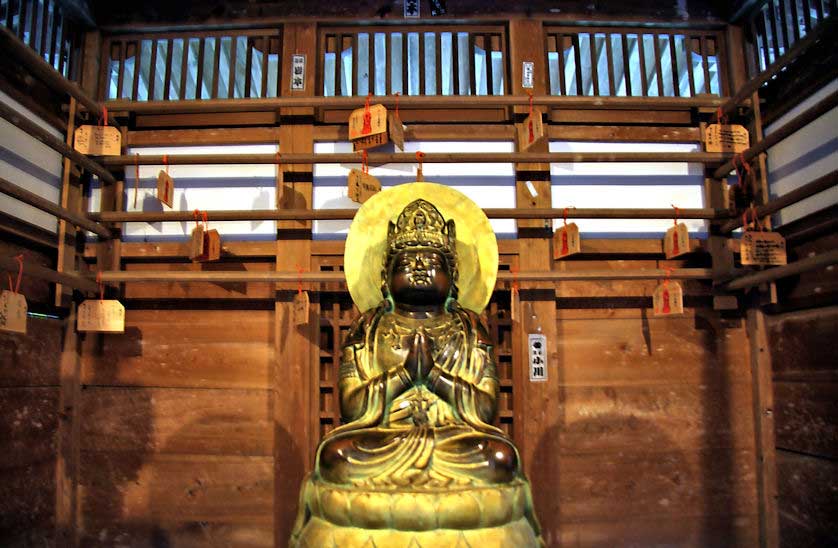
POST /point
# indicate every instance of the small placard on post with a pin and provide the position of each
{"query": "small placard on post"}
(298, 72)
(763, 248)
(13, 311)
(527, 72)
(668, 299)
(196, 243)
(566, 241)
(101, 316)
(98, 140)
(301, 307)
(677, 241)
(537, 344)
(362, 127)
(726, 138)
(165, 188)
(362, 186)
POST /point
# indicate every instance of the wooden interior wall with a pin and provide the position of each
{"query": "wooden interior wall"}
(29, 417)
(805, 373)
(195, 427)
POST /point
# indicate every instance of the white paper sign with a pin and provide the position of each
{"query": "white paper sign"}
(527, 74)
(298, 72)
(537, 344)
(101, 316)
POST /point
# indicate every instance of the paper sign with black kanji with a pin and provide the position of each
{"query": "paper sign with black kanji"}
(101, 316)
(668, 299)
(677, 241)
(566, 241)
(763, 248)
(13, 312)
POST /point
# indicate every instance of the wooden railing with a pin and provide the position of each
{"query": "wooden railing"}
(422, 60)
(42, 26)
(192, 66)
(639, 62)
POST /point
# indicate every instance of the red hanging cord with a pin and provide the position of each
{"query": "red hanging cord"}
(103, 119)
(531, 131)
(564, 216)
(16, 287)
(397, 104)
(675, 220)
(721, 117)
(365, 168)
(200, 215)
(299, 281)
(166, 162)
(101, 285)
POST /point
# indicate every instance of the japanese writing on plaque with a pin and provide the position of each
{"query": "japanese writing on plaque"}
(101, 316)
(298, 72)
(566, 241)
(98, 140)
(677, 241)
(411, 8)
(668, 299)
(362, 186)
(763, 248)
(13, 311)
(538, 357)
(527, 74)
(726, 138)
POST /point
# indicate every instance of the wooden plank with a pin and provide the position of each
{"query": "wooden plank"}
(560, 50)
(651, 416)
(688, 47)
(472, 66)
(649, 117)
(120, 67)
(152, 71)
(27, 505)
(806, 416)
(801, 344)
(594, 63)
(806, 489)
(164, 352)
(168, 290)
(455, 63)
(644, 83)
(122, 495)
(609, 53)
(138, 65)
(616, 133)
(184, 68)
(732, 530)
(673, 60)
(231, 79)
(265, 51)
(167, 79)
(31, 359)
(216, 66)
(626, 65)
(705, 63)
(248, 68)
(199, 75)
(164, 420)
(355, 68)
(658, 63)
(674, 482)
(607, 352)
(28, 426)
(164, 250)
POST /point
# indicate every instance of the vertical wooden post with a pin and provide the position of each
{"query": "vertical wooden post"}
(763, 409)
(294, 381)
(66, 244)
(537, 405)
(67, 458)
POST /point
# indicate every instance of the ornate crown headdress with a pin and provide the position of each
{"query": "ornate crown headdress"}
(420, 224)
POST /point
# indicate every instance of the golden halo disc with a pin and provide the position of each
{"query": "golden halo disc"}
(366, 244)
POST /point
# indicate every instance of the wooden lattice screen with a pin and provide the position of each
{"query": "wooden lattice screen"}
(413, 61)
(635, 62)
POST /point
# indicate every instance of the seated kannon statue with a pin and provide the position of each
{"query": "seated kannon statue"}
(417, 461)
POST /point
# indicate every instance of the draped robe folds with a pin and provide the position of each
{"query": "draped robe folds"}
(416, 438)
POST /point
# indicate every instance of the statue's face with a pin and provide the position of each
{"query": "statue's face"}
(419, 277)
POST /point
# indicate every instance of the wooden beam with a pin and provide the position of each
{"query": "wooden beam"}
(294, 276)
(11, 189)
(71, 279)
(15, 49)
(415, 101)
(410, 158)
(344, 214)
(802, 120)
(39, 133)
(820, 184)
(807, 264)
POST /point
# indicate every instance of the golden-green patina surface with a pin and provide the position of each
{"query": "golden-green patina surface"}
(417, 462)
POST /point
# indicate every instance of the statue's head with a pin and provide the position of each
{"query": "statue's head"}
(421, 263)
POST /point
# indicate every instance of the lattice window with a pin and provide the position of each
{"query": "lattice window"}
(775, 25)
(639, 63)
(191, 66)
(41, 25)
(415, 61)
